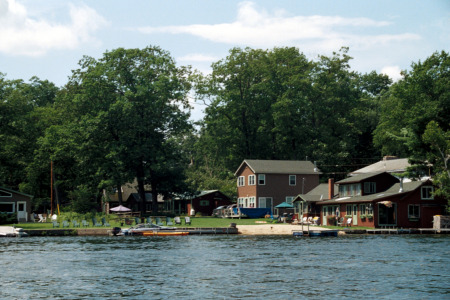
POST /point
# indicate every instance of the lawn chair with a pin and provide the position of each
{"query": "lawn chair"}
(340, 222)
(32, 219)
(169, 221)
(177, 220)
(55, 224)
(104, 223)
(85, 223)
(75, 223)
(65, 224)
(42, 219)
(315, 221)
(349, 222)
(137, 220)
(159, 222)
(95, 223)
(187, 220)
(149, 220)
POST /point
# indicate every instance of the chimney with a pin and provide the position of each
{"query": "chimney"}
(330, 188)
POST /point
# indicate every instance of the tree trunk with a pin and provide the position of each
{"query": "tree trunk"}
(141, 189)
(119, 193)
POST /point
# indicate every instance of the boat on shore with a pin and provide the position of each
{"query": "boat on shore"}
(11, 231)
(164, 233)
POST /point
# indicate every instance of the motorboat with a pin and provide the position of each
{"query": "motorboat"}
(12, 231)
(140, 229)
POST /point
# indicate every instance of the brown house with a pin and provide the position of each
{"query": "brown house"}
(15, 202)
(267, 183)
(205, 202)
(381, 200)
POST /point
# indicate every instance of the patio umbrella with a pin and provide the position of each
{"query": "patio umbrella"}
(120, 208)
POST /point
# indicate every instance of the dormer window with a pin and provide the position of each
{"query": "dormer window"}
(370, 188)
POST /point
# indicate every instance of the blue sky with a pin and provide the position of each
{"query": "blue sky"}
(47, 38)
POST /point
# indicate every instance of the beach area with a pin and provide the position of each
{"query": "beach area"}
(273, 229)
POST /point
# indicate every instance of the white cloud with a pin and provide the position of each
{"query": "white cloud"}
(21, 34)
(393, 72)
(258, 28)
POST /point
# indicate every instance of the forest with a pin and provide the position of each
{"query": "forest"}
(126, 116)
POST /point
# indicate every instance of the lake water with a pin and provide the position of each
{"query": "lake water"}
(226, 267)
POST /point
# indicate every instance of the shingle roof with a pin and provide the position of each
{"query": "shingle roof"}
(394, 190)
(390, 165)
(358, 178)
(280, 166)
(318, 193)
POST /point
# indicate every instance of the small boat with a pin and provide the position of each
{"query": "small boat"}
(140, 229)
(164, 233)
(11, 231)
(323, 233)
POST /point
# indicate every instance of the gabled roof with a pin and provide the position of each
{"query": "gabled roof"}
(15, 192)
(318, 193)
(360, 177)
(279, 167)
(395, 165)
(392, 191)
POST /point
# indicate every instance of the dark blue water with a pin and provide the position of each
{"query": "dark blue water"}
(226, 267)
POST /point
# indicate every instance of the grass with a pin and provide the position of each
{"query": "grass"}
(204, 222)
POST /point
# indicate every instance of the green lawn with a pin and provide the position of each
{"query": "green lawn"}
(204, 222)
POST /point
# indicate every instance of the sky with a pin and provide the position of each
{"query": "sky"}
(47, 38)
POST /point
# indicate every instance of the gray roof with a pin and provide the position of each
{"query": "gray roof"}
(318, 193)
(398, 165)
(359, 178)
(16, 192)
(279, 166)
(392, 191)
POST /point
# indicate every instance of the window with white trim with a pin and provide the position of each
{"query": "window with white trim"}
(252, 202)
(292, 180)
(427, 193)
(240, 202)
(362, 209)
(261, 179)
(289, 199)
(413, 211)
(7, 207)
(241, 181)
(251, 180)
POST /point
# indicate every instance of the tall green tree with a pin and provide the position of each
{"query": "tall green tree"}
(129, 103)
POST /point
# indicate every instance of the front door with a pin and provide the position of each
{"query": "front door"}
(355, 215)
(324, 213)
(387, 214)
(22, 211)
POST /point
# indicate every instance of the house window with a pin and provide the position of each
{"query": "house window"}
(5, 194)
(265, 202)
(240, 202)
(204, 202)
(349, 210)
(7, 207)
(427, 193)
(292, 180)
(370, 187)
(413, 211)
(241, 181)
(252, 202)
(251, 180)
(289, 199)
(369, 210)
(362, 209)
(262, 179)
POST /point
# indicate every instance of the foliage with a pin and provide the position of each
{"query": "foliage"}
(8, 218)
(415, 120)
